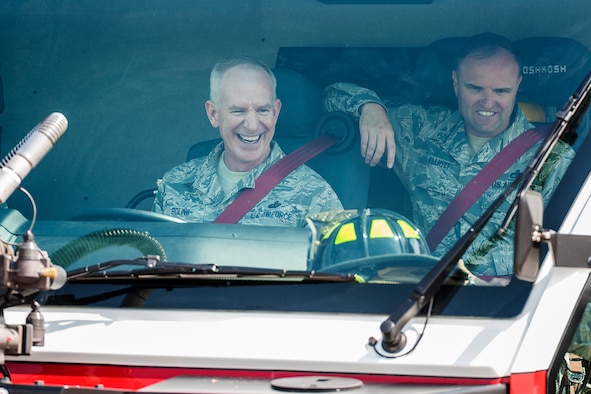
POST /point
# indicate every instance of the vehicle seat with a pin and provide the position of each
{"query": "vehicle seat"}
(552, 69)
(432, 74)
(300, 121)
(432, 85)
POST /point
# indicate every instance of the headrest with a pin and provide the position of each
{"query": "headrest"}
(301, 104)
(552, 68)
(433, 70)
(301, 108)
(341, 126)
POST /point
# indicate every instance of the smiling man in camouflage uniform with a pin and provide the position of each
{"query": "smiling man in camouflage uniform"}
(244, 107)
(436, 151)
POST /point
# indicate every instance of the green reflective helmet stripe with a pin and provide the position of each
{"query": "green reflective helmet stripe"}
(347, 233)
(380, 229)
(407, 229)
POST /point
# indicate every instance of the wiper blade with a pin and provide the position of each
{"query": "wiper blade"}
(150, 268)
(149, 261)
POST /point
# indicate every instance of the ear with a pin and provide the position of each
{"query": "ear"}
(212, 113)
(454, 77)
(277, 108)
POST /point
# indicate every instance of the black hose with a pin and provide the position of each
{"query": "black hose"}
(91, 242)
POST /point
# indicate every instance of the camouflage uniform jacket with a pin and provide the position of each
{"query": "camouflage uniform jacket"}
(192, 191)
(434, 160)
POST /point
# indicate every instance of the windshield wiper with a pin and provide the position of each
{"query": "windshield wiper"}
(151, 268)
(393, 339)
(567, 120)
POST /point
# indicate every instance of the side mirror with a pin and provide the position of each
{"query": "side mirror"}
(528, 227)
(568, 250)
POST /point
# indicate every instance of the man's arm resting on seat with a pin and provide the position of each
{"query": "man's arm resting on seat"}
(377, 134)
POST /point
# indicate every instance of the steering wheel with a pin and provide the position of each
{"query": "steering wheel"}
(391, 268)
(124, 214)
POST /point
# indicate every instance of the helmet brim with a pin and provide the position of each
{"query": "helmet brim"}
(391, 268)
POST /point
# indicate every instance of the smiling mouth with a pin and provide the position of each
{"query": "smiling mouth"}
(249, 139)
(485, 113)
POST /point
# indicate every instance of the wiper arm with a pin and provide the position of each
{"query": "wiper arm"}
(154, 269)
(393, 339)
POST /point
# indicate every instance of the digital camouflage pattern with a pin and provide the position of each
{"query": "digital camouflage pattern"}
(434, 160)
(581, 342)
(192, 191)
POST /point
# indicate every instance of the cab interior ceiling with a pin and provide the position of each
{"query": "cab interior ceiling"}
(143, 106)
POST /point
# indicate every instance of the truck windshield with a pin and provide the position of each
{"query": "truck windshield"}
(421, 122)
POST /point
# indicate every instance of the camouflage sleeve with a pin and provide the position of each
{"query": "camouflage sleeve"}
(553, 170)
(581, 343)
(498, 250)
(325, 200)
(348, 97)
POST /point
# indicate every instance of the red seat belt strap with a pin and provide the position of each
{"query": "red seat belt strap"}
(267, 181)
(482, 181)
